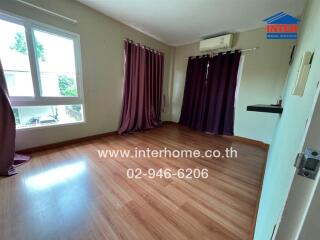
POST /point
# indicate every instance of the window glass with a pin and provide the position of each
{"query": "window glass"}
(36, 116)
(15, 60)
(56, 61)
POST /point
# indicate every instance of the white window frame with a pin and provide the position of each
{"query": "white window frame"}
(37, 99)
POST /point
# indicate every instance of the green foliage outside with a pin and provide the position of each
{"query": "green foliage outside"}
(67, 86)
(20, 45)
(75, 112)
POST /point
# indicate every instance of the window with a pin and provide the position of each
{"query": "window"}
(42, 71)
(27, 117)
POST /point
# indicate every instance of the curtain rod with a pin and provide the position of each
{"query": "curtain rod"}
(231, 51)
(48, 11)
(143, 46)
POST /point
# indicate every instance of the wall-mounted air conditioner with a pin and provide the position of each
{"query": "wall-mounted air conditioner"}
(221, 42)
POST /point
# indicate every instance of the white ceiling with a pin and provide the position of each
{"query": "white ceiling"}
(177, 22)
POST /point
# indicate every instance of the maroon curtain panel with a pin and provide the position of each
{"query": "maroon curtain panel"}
(193, 92)
(7, 130)
(143, 77)
(209, 94)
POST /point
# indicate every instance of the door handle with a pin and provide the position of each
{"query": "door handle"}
(308, 163)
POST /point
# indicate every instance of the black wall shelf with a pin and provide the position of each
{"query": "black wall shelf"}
(265, 108)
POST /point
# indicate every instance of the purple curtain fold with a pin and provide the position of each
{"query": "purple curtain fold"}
(7, 130)
(209, 94)
(8, 158)
(143, 77)
(193, 92)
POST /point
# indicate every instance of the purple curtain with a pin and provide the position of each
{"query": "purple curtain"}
(8, 158)
(193, 92)
(7, 130)
(143, 73)
(209, 94)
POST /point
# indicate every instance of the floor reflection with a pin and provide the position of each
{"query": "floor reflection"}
(55, 176)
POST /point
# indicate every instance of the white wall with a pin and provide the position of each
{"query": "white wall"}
(263, 78)
(102, 61)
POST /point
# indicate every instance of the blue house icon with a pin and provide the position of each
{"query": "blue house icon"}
(282, 18)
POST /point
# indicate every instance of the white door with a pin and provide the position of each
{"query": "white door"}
(291, 131)
(302, 207)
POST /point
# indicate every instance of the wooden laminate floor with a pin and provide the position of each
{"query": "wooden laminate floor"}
(71, 193)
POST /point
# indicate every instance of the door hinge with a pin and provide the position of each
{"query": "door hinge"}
(298, 160)
(273, 231)
(307, 120)
(311, 59)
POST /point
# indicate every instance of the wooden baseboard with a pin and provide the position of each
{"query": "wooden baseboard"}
(238, 138)
(169, 122)
(250, 141)
(64, 143)
(88, 138)
(70, 142)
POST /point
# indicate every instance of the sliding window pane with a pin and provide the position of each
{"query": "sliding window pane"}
(15, 60)
(56, 60)
(37, 116)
